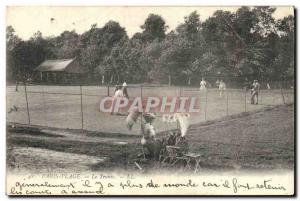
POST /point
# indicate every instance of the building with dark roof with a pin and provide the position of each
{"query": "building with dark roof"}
(60, 71)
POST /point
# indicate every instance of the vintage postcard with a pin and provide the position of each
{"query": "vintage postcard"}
(110, 101)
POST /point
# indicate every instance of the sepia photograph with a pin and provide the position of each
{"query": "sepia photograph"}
(150, 100)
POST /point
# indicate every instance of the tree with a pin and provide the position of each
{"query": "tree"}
(175, 58)
(113, 33)
(67, 45)
(190, 31)
(191, 26)
(12, 40)
(154, 28)
(27, 55)
(265, 21)
(97, 43)
(284, 63)
(151, 53)
(136, 60)
(246, 43)
(221, 44)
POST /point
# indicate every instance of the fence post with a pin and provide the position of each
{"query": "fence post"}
(141, 94)
(28, 115)
(107, 90)
(245, 100)
(227, 102)
(283, 99)
(177, 124)
(81, 108)
(45, 111)
(206, 92)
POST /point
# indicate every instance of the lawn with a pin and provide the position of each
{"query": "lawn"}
(257, 140)
(60, 106)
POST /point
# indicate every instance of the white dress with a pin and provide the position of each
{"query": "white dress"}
(222, 86)
(202, 85)
(119, 93)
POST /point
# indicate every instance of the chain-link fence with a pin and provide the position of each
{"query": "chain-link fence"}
(77, 107)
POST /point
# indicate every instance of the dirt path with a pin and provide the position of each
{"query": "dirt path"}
(261, 140)
(59, 161)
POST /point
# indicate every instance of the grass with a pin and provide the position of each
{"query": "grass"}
(259, 140)
(53, 106)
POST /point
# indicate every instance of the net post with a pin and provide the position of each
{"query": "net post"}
(245, 91)
(28, 115)
(206, 92)
(261, 96)
(177, 124)
(283, 99)
(44, 107)
(81, 107)
(226, 102)
(141, 95)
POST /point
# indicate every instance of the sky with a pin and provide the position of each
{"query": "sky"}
(26, 20)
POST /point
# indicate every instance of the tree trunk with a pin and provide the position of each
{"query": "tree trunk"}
(170, 80)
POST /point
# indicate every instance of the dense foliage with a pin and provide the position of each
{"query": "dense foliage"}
(249, 43)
